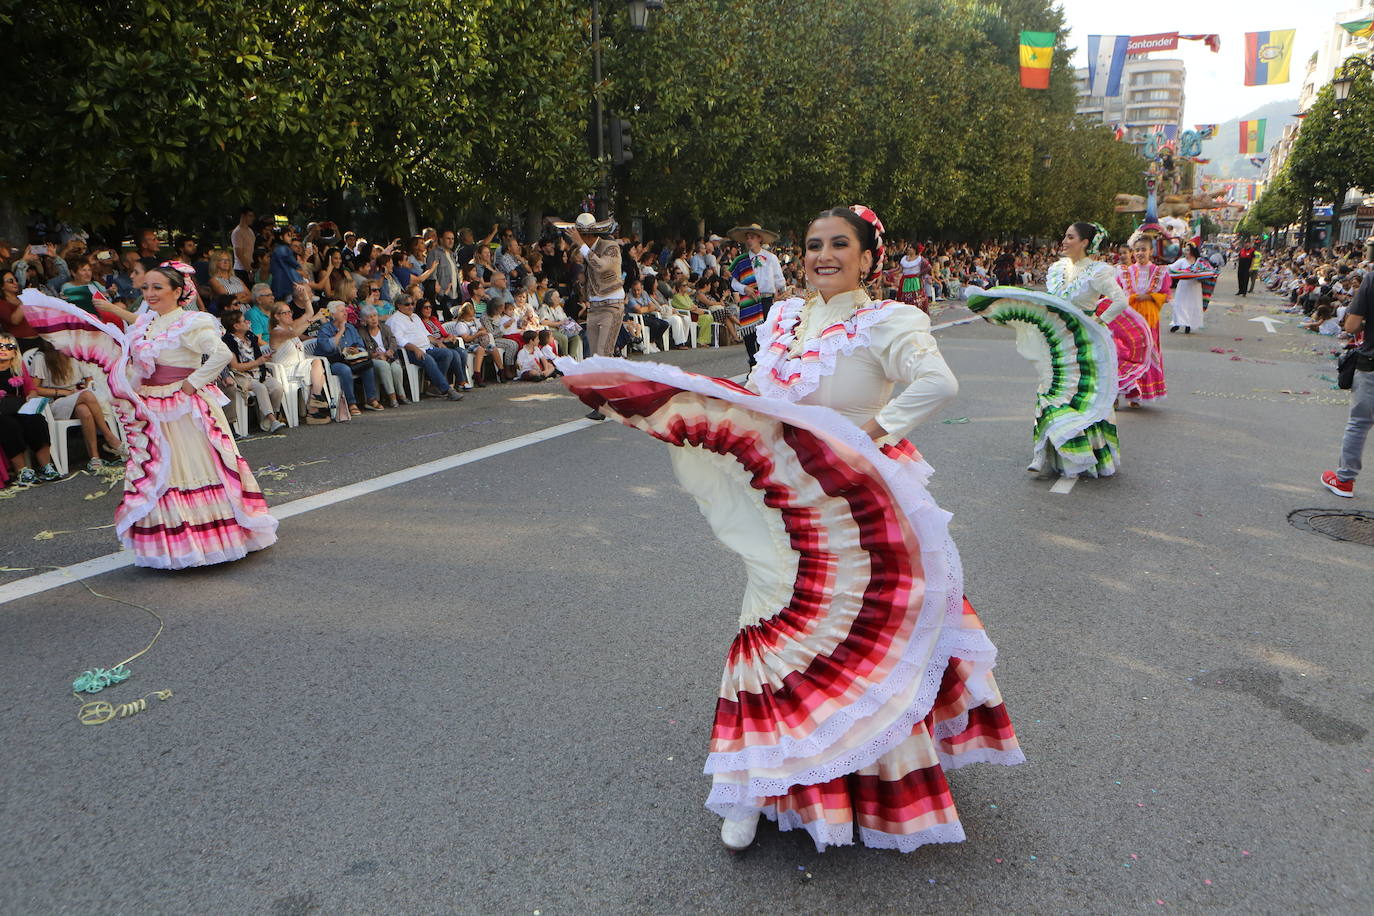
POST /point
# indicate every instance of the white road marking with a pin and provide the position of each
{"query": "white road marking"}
(33, 585)
(1063, 485)
(951, 324)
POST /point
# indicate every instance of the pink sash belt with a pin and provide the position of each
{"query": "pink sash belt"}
(166, 375)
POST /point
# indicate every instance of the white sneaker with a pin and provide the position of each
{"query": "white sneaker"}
(737, 835)
(276, 425)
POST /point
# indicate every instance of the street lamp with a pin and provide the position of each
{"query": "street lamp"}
(1345, 78)
(639, 13)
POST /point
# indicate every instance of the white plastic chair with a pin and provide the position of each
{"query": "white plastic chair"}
(331, 380)
(293, 393)
(414, 379)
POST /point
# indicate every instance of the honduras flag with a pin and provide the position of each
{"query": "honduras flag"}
(1106, 60)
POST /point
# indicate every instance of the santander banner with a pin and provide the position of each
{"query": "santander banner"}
(1144, 44)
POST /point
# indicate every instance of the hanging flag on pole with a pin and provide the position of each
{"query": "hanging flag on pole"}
(1252, 137)
(1258, 161)
(1360, 28)
(1106, 60)
(1267, 55)
(1206, 131)
(1213, 42)
(1037, 54)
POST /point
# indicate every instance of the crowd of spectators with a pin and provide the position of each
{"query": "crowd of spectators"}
(349, 324)
(1319, 284)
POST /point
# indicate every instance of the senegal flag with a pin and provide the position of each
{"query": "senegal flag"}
(1252, 137)
(1266, 57)
(1037, 53)
(1360, 28)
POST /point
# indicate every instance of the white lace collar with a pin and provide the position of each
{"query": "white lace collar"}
(826, 329)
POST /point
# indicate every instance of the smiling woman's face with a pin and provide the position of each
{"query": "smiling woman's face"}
(834, 261)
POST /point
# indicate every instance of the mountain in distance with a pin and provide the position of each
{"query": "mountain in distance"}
(1221, 149)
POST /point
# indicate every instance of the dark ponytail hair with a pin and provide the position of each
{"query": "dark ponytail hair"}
(863, 229)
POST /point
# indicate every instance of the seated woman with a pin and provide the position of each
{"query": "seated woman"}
(446, 338)
(503, 313)
(75, 398)
(249, 372)
(341, 344)
(679, 326)
(492, 324)
(683, 303)
(638, 302)
(711, 295)
(381, 345)
(567, 334)
(476, 340)
(21, 433)
(227, 290)
(284, 335)
(81, 292)
(529, 363)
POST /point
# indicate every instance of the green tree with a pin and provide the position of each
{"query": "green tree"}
(1332, 152)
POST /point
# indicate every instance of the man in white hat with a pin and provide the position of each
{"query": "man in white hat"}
(603, 291)
(768, 278)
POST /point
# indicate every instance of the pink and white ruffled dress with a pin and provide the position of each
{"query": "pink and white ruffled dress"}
(189, 499)
(859, 673)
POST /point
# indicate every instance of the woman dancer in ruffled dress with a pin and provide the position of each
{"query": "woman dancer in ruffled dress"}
(1147, 288)
(189, 497)
(1074, 352)
(860, 674)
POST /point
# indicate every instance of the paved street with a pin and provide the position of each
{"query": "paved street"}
(489, 689)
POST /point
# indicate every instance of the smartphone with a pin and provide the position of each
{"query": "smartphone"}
(40, 250)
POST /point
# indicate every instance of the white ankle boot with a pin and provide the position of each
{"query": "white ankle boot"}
(737, 835)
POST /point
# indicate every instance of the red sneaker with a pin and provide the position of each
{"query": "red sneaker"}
(1340, 487)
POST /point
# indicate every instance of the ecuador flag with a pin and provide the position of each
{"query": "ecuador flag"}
(1266, 57)
(1037, 53)
(1252, 137)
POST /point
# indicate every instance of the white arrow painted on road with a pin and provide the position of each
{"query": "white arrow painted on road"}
(1267, 322)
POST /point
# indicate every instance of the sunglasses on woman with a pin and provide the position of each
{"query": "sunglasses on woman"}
(9, 346)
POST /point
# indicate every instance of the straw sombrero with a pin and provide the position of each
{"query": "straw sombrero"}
(739, 232)
(588, 225)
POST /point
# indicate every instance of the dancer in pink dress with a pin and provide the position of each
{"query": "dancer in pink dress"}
(189, 497)
(1147, 287)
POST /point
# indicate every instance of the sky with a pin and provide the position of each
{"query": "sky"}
(1214, 87)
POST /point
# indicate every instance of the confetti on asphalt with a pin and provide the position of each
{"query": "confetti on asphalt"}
(1207, 881)
(956, 420)
(998, 861)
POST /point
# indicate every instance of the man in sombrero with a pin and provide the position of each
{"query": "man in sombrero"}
(602, 289)
(767, 282)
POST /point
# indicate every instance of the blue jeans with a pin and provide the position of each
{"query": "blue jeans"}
(346, 375)
(438, 362)
(1358, 426)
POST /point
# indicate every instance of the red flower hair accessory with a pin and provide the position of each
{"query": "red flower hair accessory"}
(872, 219)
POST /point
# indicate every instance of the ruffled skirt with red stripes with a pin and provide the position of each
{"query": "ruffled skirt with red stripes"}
(860, 673)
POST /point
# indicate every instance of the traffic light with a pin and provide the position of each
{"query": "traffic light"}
(621, 151)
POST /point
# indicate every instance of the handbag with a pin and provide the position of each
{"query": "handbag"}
(1346, 364)
(356, 357)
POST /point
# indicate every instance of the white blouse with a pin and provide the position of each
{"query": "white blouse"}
(853, 353)
(1084, 282)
